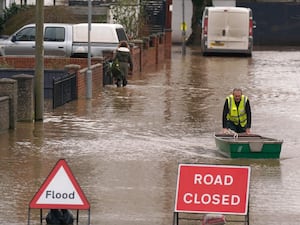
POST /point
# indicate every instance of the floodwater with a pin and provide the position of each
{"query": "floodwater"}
(124, 146)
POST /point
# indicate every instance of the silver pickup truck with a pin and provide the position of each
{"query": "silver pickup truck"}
(69, 40)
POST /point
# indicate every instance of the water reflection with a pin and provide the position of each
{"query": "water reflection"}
(124, 146)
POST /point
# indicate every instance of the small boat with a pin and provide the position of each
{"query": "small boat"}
(248, 146)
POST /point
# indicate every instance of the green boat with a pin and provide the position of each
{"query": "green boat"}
(248, 146)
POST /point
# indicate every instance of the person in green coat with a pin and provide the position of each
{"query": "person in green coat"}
(123, 58)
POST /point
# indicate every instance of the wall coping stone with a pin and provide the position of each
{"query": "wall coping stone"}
(2, 98)
(23, 76)
(7, 80)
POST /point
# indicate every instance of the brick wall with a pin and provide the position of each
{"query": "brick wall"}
(168, 44)
(97, 80)
(136, 58)
(160, 55)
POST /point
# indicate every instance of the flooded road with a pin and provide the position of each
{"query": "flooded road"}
(124, 146)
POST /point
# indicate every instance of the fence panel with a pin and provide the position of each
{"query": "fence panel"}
(64, 89)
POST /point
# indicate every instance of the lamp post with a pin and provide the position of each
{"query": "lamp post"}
(89, 71)
(39, 65)
(183, 29)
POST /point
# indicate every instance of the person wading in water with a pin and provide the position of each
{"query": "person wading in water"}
(124, 60)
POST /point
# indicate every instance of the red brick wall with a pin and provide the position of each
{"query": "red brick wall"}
(160, 49)
(136, 58)
(81, 80)
(149, 58)
(168, 44)
(97, 80)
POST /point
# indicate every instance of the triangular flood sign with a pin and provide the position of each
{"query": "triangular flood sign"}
(60, 191)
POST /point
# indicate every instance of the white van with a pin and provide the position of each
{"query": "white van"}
(227, 30)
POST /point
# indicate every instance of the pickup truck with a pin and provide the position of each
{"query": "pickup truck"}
(68, 40)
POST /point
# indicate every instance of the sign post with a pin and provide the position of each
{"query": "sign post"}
(212, 189)
(60, 191)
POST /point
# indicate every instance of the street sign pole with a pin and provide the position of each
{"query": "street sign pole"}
(89, 71)
(183, 28)
(39, 66)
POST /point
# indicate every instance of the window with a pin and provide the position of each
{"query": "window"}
(121, 34)
(56, 34)
(26, 34)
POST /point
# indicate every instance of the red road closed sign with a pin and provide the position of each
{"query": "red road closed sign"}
(212, 189)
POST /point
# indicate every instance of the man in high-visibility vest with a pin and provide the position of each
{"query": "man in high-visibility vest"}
(237, 113)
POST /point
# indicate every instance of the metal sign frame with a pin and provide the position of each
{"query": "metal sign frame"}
(177, 218)
(76, 218)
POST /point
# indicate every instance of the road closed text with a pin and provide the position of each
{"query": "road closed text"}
(209, 179)
(215, 199)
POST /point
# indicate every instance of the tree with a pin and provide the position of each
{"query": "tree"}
(127, 13)
(198, 7)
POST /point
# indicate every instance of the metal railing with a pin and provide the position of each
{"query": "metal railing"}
(64, 89)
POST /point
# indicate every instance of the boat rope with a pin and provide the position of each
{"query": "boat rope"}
(235, 134)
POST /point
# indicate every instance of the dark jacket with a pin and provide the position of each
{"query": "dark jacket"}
(123, 55)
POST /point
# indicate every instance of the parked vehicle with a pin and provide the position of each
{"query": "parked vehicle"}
(103, 37)
(227, 30)
(69, 40)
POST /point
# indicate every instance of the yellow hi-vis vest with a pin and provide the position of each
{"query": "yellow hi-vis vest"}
(237, 114)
